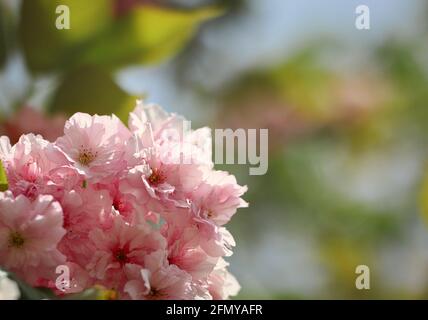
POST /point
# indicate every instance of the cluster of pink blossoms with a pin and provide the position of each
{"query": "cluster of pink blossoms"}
(115, 206)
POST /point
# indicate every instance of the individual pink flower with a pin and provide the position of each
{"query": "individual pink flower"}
(221, 283)
(85, 209)
(118, 246)
(29, 234)
(218, 197)
(215, 241)
(94, 145)
(156, 184)
(154, 179)
(171, 135)
(158, 280)
(122, 203)
(134, 187)
(29, 164)
(159, 120)
(184, 252)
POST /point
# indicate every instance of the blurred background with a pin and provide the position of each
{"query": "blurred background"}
(346, 109)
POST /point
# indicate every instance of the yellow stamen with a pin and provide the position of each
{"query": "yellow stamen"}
(16, 240)
(156, 177)
(86, 156)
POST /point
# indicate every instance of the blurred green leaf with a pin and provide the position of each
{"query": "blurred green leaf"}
(91, 90)
(5, 24)
(4, 184)
(402, 65)
(305, 84)
(2, 40)
(46, 47)
(147, 35)
(424, 198)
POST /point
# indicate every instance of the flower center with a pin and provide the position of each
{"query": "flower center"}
(16, 240)
(210, 214)
(86, 156)
(155, 294)
(119, 205)
(120, 256)
(156, 177)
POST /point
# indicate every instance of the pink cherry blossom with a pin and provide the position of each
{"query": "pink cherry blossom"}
(118, 246)
(218, 197)
(222, 284)
(29, 164)
(171, 136)
(158, 280)
(159, 120)
(85, 209)
(29, 234)
(94, 145)
(140, 211)
(184, 251)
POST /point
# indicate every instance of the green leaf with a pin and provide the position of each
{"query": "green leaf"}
(2, 43)
(91, 90)
(147, 35)
(304, 83)
(423, 198)
(4, 185)
(3, 34)
(46, 47)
